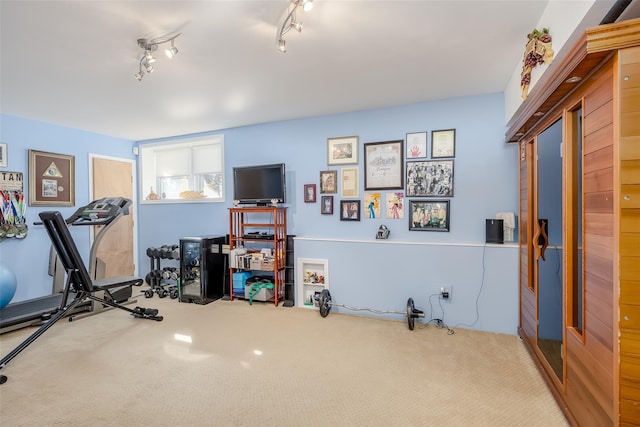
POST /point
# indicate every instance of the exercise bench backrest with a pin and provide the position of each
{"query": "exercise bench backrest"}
(67, 250)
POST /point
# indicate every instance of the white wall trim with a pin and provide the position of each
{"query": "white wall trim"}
(396, 242)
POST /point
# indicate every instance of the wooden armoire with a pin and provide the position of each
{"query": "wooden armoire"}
(579, 217)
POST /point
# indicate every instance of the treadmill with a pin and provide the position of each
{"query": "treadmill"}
(34, 312)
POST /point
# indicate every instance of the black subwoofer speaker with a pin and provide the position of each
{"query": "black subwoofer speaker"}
(495, 231)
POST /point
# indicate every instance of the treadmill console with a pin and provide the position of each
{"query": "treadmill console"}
(100, 212)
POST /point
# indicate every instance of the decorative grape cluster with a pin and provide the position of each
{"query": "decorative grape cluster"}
(534, 56)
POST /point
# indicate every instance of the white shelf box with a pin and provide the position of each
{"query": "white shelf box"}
(312, 278)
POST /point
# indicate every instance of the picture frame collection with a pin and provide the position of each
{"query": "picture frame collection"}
(403, 168)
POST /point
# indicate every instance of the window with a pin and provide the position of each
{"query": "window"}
(183, 171)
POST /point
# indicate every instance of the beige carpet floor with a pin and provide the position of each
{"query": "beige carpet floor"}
(235, 364)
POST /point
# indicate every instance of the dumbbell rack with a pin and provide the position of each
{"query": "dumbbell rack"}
(163, 281)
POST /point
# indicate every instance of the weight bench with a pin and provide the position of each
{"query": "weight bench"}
(78, 282)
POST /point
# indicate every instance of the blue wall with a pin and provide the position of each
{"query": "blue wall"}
(363, 272)
(28, 258)
(485, 182)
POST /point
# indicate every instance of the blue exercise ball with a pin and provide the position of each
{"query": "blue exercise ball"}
(8, 285)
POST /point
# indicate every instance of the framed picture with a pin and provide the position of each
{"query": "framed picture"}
(349, 210)
(416, 145)
(349, 183)
(309, 193)
(342, 151)
(443, 143)
(430, 178)
(372, 204)
(4, 161)
(51, 179)
(326, 205)
(431, 215)
(328, 182)
(395, 205)
(383, 165)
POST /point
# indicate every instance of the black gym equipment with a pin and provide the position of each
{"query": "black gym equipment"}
(162, 281)
(33, 312)
(325, 304)
(79, 283)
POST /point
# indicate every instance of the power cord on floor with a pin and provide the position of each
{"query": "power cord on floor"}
(439, 323)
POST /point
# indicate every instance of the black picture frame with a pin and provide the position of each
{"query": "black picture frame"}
(383, 165)
(326, 205)
(350, 210)
(430, 178)
(443, 143)
(429, 215)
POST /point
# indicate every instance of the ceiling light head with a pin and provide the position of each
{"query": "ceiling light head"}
(138, 75)
(148, 58)
(172, 51)
(296, 26)
(282, 46)
(307, 5)
(149, 68)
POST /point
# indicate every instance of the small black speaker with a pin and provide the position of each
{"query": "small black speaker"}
(495, 231)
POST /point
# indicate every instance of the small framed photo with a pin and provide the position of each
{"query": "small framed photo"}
(349, 210)
(432, 215)
(4, 161)
(326, 205)
(342, 151)
(416, 145)
(443, 143)
(309, 193)
(430, 178)
(349, 184)
(328, 182)
(51, 179)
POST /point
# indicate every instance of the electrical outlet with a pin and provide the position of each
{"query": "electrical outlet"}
(445, 292)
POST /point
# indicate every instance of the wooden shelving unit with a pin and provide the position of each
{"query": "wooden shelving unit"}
(255, 228)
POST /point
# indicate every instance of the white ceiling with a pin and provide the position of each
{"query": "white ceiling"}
(72, 62)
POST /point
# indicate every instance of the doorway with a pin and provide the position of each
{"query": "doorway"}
(114, 177)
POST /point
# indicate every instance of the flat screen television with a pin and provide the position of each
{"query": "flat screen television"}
(259, 184)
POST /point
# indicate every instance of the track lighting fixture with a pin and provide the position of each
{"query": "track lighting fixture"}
(291, 22)
(147, 58)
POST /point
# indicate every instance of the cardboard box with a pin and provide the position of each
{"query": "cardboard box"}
(256, 261)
